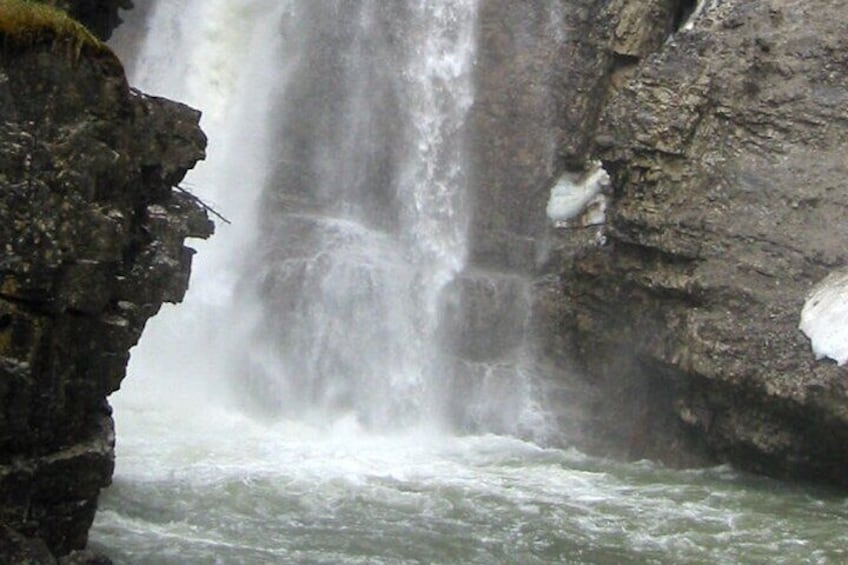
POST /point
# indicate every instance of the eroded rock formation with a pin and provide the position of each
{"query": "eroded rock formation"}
(726, 151)
(92, 239)
(677, 321)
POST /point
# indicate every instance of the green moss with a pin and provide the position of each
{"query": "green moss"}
(25, 23)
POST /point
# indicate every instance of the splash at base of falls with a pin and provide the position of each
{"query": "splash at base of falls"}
(364, 217)
(212, 486)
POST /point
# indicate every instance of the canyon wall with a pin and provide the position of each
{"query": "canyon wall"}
(674, 326)
(728, 190)
(92, 233)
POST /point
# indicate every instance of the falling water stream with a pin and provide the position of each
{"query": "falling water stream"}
(293, 409)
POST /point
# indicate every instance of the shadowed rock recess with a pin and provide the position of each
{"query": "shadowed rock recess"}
(92, 244)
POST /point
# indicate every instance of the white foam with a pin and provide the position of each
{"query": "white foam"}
(824, 318)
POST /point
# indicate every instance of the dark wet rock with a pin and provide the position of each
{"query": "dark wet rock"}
(92, 235)
(16, 548)
(484, 315)
(726, 156)
(100, 16)
(85, 557)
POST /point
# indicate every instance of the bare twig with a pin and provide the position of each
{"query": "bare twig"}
(202, 204)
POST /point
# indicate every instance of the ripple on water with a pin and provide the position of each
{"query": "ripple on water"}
(357, 498)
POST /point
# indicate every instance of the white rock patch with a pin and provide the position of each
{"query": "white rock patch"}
(824, 318)
(573, 194)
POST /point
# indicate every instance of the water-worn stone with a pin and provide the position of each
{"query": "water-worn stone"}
(483, 315)
(92, 236)
(545, 71)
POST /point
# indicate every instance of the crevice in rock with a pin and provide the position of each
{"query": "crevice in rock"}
(624, 66)
(683, 11)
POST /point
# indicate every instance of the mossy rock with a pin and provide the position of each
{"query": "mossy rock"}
(24, 23)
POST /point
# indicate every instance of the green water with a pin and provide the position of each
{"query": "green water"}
(230, 490)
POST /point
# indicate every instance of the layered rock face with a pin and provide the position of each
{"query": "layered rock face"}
(727, 156)
(92, 235)
(545, 73)
(676, 323)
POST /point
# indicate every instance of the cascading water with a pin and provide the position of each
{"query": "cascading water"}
(364, 220)
(225, 50)
(296, 407)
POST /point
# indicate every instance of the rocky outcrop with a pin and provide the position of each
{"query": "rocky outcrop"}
(544, 75)
(676, 323)
(92, 235)
(726, 152)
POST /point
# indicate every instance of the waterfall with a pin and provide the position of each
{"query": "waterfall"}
(213, 55)
(364, 219)
(338, 148)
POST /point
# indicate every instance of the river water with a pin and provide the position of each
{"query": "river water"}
(293, 409)
(228, 489)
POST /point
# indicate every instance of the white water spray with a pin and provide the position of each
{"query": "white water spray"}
(337, 148)
(365, 218)
(212, 55)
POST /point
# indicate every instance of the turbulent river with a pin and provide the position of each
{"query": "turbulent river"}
(303, 405)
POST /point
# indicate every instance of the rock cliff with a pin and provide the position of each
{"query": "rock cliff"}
(726, 152)
(92, 234)
(675, 324)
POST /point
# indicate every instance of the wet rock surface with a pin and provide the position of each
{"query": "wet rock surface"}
(726, 156)
(677, 323)
(92, 235)
(545, 73)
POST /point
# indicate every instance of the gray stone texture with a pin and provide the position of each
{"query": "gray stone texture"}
(725, 144)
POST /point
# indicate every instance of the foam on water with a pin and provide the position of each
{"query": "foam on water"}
(236, 490)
